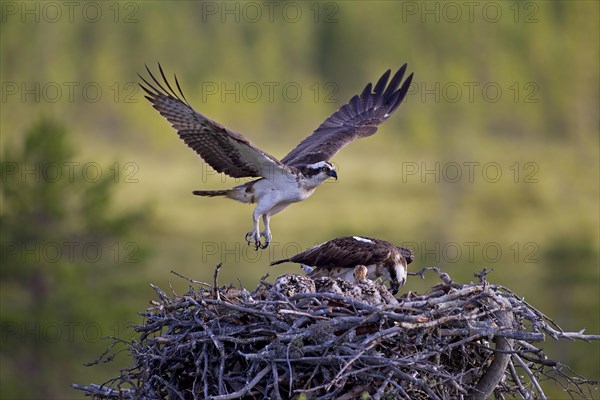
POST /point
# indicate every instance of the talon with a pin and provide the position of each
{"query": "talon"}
(249, 237)
(267, 236)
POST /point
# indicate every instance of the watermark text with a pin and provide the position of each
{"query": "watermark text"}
(51, 12)
(53, 252)
(68, 171)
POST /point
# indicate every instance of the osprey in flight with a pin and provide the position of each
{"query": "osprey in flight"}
(339, 257)
(280, 182)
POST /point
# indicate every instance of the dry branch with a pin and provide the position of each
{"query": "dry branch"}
(298, 337)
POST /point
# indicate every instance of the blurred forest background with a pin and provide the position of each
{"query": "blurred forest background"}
(492, 161)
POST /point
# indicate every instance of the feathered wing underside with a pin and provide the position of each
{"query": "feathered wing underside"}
(359, 118)
(344, 252)
(223, 149)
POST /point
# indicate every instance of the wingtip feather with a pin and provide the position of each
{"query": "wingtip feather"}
(382, 82)
(401, 95)
(395, 82)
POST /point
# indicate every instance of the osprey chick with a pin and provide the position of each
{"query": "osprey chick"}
(297, 175)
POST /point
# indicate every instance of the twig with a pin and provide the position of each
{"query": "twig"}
(215, 282)
(531, 376)
(190, 279)
(246, 389)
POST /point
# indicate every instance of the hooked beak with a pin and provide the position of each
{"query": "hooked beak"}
(332, 173)
(394, 286)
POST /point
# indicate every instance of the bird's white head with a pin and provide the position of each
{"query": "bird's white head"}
(317, 173)
(396, 271)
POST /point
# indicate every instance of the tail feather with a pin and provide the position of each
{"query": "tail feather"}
(238, 193)
(280, 261)
(211, 193)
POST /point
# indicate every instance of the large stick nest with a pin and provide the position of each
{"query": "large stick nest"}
(296, 338)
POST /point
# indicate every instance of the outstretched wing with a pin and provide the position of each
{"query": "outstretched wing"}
(359, 118)
(224, 150)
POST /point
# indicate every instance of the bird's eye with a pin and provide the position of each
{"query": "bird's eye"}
(324, 169)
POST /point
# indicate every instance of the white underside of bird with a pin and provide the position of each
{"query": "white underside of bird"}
(273, 194)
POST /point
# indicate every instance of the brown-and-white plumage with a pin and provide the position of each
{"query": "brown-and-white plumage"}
(371, 292)
(291, 284)
(340, 256)
(362, 289)
(297, 175)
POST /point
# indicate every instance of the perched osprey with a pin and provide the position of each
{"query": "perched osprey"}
(339, 257)
(280, 182)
